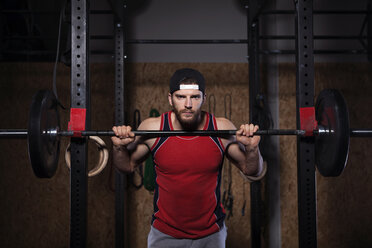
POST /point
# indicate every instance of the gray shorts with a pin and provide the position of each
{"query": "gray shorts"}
(157, 239)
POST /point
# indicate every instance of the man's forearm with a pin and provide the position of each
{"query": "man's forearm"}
(121, 159)
(253, 162)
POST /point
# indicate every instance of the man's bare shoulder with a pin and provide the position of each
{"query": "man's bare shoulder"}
(224, 124)
(152, 123)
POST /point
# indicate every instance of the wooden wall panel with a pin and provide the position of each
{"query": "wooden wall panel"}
(35, 212)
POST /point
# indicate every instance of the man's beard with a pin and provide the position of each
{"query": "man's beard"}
(189, 124)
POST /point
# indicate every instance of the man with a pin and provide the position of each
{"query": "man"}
(187, 207)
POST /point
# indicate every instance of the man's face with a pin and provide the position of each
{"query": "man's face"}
(186, 105)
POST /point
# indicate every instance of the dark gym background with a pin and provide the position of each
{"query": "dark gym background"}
(35, 212)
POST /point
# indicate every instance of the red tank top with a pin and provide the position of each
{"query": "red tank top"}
(188, 177)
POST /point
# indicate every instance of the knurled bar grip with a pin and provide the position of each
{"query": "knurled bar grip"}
(23, 132)
(187, 133)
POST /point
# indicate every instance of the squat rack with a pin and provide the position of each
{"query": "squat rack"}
(80, 99)
(305, 95)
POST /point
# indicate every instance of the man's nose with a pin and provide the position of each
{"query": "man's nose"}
(188, 103)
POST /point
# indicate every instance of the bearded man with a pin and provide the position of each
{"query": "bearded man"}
(187, 199)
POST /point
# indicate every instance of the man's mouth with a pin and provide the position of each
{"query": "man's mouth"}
(187, 113)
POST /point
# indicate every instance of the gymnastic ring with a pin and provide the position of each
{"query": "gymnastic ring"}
(103, 156)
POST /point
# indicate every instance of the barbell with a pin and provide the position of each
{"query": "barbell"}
(331, 136)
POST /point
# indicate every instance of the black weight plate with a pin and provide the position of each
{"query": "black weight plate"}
(331, 150)
(43, 148)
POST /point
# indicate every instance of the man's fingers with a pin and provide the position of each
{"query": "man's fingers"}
(115, 129)
(124, 131)
(122, 134)
(247, 130)
(251, 130)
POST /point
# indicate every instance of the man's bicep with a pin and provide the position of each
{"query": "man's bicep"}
(142, 145)
(225, 124)
(152, 123)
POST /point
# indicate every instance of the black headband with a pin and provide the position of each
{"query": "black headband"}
(183, 74)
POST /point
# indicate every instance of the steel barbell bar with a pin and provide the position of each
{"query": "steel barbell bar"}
(331, 134)
(22, 133)
(360, 132)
